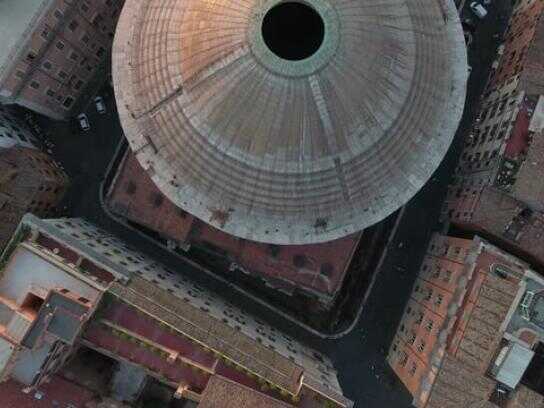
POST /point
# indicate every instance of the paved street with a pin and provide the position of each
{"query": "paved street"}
(359, 356)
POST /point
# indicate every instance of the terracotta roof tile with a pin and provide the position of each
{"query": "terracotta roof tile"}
(224, 393)
(215, 334)
(57, 393)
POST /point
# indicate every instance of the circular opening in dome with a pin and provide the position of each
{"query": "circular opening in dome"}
(293, 31)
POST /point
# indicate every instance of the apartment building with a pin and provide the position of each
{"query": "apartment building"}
(510, 117)
(14, 132)
(497, 188)
(54, 52)
(472, 330)
(93, 292)
(30, 181)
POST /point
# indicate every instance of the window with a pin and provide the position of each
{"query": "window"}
(447, 276)
(50, 93)
(60, 45)
(73, 25)
(421, 346)
(429, 294)
(34, 85)
(74, 56)
(45, 33)
(97, 19)
(413, 369)
(439, 299)
(100, 52)
(429, 325)
(63, 75)
(403, 359)
(68, 102)
(419, 318)
(31, 56)
(58, 14)
(47, 65)
(84, 7)
(78, 84)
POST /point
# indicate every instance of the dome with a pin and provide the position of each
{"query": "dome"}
(289, 122)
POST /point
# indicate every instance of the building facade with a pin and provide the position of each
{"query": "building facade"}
(510, 117)
(497, 189)
(471, 328)
(95, 292)
(53, 51)
(30, 181)
(14, 132)
(314, 272)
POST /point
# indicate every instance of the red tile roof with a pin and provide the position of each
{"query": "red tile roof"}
(58, 393)
(223, 393)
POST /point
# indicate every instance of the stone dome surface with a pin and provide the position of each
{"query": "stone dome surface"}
(289, 151)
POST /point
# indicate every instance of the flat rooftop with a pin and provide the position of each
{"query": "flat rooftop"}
(319, 268)
(15, 18)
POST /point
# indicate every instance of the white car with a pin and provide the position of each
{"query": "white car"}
(83, 121)
(478, 9)
(100, 105)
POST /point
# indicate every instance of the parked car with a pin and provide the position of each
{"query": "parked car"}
(100, 105)
(478, 10)
(83, 121)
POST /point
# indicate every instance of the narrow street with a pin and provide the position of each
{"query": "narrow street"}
(360, 355)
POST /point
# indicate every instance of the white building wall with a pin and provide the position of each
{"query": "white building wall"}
(27, 271)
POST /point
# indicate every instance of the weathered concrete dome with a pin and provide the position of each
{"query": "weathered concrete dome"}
(285, 131)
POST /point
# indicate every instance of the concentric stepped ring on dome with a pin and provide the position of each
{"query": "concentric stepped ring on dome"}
(289, 151)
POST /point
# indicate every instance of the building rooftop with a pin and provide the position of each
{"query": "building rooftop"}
(478, 334)
(319, 268)
(199, 326)
(290, 151)
(491, 343)
(498, 214)
(57, 393)
(531, 78)
(528, 186)
(16, 19)
(458, 385)
(224, 393)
